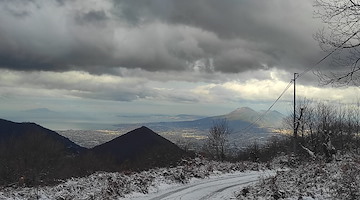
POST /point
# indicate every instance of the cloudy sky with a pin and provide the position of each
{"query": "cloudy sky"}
(117, 57)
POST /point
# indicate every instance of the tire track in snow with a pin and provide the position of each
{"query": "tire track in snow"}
(207, 189)
(225, 188)
(207, 185)
(194, 185)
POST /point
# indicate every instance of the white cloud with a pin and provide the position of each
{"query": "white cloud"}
(130, 88)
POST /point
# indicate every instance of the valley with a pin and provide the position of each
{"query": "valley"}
(192, 133)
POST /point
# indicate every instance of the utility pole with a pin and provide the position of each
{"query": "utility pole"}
(294, 124)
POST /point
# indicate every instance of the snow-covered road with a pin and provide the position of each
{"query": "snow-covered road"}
(215, 187)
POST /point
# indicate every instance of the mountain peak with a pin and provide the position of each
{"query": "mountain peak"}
(244, 113)
(141, 145)
(142, 131)
(143, 128)
(243, 110)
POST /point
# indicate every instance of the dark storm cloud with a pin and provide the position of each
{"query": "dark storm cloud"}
(226, 36)
(91, 17)
(222, 17)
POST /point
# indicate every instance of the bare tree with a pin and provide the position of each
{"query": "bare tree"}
(217, 139)
(342, 32)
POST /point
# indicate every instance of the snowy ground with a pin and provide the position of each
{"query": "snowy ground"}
(195, 179)
(339, 179)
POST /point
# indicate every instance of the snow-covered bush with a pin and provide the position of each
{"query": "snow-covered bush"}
(338, 179)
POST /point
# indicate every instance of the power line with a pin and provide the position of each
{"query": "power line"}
(329, 54)
(249, 127)
(263, 114)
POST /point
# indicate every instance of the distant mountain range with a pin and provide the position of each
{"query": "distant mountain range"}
(45, 113)
(87, 120)
(246, 125)
(54, 119)
(238, 120)
(64, 120)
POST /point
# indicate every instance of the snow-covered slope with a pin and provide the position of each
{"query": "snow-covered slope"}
(141, 185)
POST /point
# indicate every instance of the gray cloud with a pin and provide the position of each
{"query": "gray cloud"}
(225, 36)
(281, 30)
